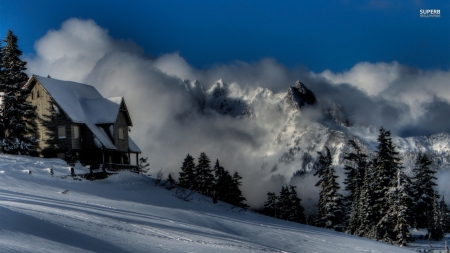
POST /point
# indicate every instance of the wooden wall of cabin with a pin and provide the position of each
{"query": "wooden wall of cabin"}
(121, 144)
(49, 118)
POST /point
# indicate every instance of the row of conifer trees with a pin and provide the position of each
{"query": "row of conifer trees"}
(382, 201)
(216, 182)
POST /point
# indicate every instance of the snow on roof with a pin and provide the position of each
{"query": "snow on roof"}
(102, 110)
(132, 146)
(84, 104)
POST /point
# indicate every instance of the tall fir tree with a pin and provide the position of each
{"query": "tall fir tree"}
(354, 186)
(2, 68)
(435, 227)
(284, 203)
(424, 192)
(271, 205)
(445, 215)
(386, 164)
(324, 161)
(222, 184)
(237, 198)
(296, 210)
(330, 201)
(17, 115)
(204, 179)
(395, 222)
(366, 210)
(187, 174)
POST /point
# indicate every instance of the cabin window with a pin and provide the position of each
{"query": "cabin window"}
(32, 95)
(61, 132)
(76, 132)
(121, 133)
(37, 94)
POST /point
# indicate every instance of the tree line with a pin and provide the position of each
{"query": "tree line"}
(382, 203)
(215, 182)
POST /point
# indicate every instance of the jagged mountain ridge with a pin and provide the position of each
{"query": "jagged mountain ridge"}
(295, 139)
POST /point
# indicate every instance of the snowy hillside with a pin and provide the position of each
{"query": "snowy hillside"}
(128, 213)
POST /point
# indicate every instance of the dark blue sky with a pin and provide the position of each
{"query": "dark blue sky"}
(318, 35)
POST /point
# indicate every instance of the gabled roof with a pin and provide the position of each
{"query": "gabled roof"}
(84, 104)
(132, 146)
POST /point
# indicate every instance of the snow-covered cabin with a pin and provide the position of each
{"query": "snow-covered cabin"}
(75, 116)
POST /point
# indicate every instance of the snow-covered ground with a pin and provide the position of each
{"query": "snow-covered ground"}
(128, 213)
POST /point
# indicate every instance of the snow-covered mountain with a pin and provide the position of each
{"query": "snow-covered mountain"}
(43, 209)
(299, 126)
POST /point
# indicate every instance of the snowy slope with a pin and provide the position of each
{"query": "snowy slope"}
(128, 213)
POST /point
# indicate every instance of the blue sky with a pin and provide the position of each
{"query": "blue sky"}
(317, 35)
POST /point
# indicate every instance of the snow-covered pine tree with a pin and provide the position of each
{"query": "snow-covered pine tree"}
(435, 228)
(187, 174)
(354, 184)
(17, 115)
(404, 209)
(324, 163)
(330, 202)
(385, 166)
(395, 222)
(2, 69)
(271, 205)
(366, 211)
(424, 192)
(204, 179)
(445, 215)
(296, 210)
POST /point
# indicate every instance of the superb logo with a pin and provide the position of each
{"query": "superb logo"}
(430, 13)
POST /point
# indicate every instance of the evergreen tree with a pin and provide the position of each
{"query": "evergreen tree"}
(424, 193)
(287, 206)
(143, 166)
(435, 228)
(366, 211)
(395, 222)
(296, 210)
(222, 184)
(170, 182)
(386, 165)
(17, 115)
(330, 202)
(354, 185)
(445, 215)
(187, 174)
(284, 203)
(70, 157)
(237, 198)
(2, 68)
(204, 179)
(324, 162)
(271, 205)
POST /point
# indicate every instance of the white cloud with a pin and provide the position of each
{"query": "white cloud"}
(370, 78)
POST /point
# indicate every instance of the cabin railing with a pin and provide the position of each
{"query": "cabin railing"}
(118, 167)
